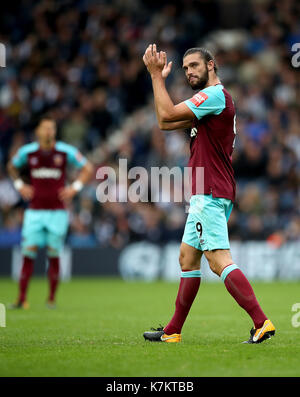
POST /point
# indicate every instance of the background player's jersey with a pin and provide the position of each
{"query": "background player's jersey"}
(47, 171)
(212, 141)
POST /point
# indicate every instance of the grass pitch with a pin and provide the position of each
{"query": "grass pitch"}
(97, 330)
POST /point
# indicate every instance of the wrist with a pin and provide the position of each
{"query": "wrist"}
(156, 75)
(77, 185)
(18, 183)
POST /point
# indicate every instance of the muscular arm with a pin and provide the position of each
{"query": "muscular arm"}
(67, 193)
(13, 172)
(166, 111)
(85, 173)
(175, 125)
(25, 190)
(171, 125)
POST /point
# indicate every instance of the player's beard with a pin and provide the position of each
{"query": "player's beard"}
(47, 142)
(50, 140)
(200, 82)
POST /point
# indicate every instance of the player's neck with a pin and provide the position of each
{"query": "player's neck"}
(213, 80)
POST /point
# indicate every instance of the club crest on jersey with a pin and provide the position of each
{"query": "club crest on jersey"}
(58, 160)
(33, 161)
(199, 98)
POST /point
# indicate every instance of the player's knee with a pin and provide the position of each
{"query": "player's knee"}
(218, 260)
(181, 259)
(217, 267)
(52, 252)
(30, 251)
(214, 267)
(186, 262)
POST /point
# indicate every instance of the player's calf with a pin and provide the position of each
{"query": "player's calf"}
(29, 256)
(53, 276)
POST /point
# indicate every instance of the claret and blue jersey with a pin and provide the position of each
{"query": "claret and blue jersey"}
(46, 221)
(210, 100)
(213, 190)
(212, 140)
(48, 171)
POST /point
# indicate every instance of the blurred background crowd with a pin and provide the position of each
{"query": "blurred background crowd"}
(81, 62)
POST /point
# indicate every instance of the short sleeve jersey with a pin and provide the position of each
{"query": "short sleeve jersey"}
(212, 141)
(48, 171)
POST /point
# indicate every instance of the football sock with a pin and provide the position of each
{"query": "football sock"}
(53, 276)
(26, 272)
(240, 289)
(188, 288)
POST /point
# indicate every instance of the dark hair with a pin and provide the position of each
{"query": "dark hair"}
(205, 55)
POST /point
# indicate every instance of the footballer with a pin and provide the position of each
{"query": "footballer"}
(46, 220)
(210, 117)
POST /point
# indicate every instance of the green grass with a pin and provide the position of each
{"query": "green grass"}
(98, 325)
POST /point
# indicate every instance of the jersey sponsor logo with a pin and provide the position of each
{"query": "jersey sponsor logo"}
(199, 98)
(58, 160)
(46, 173)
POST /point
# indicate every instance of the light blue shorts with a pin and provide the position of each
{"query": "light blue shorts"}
(206, 224)
(44, 228)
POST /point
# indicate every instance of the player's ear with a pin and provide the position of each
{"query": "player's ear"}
(210, 65)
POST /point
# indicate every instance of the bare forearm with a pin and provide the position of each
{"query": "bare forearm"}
(85, 173)
(164, 106)
(13, 172)
(175, 125)
(67, 193)
(166, 111)
(159, 69)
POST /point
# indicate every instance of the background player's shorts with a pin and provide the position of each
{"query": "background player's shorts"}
(206, 224)
(44, 228)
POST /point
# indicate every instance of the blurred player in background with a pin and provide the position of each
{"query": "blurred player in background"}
(210, 116)
(46, 219)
